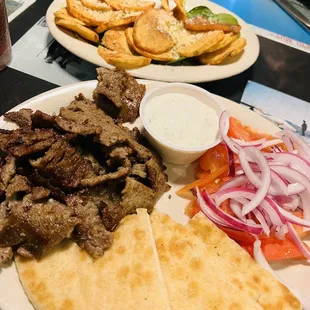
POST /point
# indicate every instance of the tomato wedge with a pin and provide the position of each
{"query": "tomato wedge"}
(214, 158)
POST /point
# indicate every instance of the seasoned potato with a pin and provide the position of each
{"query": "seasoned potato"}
(81, 30)
(122, 60)
(228, 38)
(130, 5)
(200, 45)
(148, 36)
(96, 5)
(115, 40)
(167, 56)
(224, 53)
(116, 23)
(202, 24)
(165, 5)
(179, 11)
(64, 14)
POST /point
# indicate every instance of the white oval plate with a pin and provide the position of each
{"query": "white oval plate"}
(189, 74)
(12, 296)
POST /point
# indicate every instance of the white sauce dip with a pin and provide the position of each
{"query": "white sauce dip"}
(181, 120)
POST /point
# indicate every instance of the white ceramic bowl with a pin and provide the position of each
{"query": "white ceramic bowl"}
(172, 154)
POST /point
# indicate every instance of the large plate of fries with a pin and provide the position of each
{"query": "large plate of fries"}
(159, 40)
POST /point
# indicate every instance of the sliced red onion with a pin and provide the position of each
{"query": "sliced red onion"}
(289, 159)
(268, 206)
(295, 188)
(212, 216)
(262, 221)
(299, 243)
(294, 176)
(297, 142)
(255, 143)
(236, 208)
(254, 154)
(288, 143)
(289, 217)
(281, 231)
(224, 126)
(288, 202)
(231, 160)
(250, 228)
(270, 143)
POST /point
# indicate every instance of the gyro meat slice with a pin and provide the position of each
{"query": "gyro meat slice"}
(115, 40)
(132, 5)
(223, 54)
(167, 56)
(96, 5)
(123, 60)
(81, 30)
(148, 33)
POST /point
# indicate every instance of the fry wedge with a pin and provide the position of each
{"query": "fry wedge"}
(199, 45)
(116, 23)
(64, 14)
(132, 5)
(202, 24)
(165, 5)
(81, 30)
(122, 60)
(224, 53)
(147, 35)
(115, 40)
(167, 56)
(96, 5)
(228, 38)
(179, 11)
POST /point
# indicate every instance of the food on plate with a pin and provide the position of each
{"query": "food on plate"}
(131, 5)
(168, 36)
(130, 267)
(123, 60)
(118, 94)
(255, 187)
(81, 30)
(147, 31)
(225, 53)
(156, 263)
(96, 5)
(76, 174)
(115, 40)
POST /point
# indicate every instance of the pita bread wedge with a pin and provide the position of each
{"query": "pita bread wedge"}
(128, 276)
(193, 274)
(245, 273)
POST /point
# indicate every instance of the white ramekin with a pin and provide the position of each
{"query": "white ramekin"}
(172, 154)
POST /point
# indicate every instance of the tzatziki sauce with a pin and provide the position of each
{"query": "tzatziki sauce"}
(181, 120)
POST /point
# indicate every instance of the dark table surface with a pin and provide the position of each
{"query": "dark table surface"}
(278, 66)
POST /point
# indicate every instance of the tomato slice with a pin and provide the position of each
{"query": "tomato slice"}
(214, 158)
(238, 131)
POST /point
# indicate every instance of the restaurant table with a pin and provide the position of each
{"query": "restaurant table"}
(278, 66)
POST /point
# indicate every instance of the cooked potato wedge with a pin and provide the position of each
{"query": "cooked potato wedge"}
(116, 23)
(89, 16)
(146, 33)
(122, 60)
(199, 45)
(64, 14)
(165, 5)
(202, 24)
(165, 57)
(81, 30)
(228, 38)
(179, 11)
(116, 40)
(224, 53)
(96, 5)
(131, 5)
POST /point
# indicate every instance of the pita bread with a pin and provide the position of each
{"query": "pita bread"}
(244, 272)
(193, 274)
(128, 276)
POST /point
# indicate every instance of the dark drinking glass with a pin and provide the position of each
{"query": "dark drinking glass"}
(5, 41)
